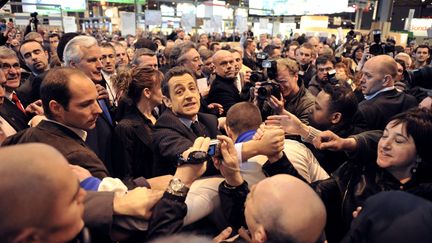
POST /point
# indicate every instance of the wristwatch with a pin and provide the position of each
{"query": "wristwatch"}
(177, 188)
(195, 157)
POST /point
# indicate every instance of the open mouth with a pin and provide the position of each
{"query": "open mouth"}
(188, 105)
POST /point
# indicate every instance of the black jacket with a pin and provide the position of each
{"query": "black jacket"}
(171, 138)
(224, 92)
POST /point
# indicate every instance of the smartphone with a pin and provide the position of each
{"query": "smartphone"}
(214, 148)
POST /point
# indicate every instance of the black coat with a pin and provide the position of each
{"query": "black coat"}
(224, 91)
(134, 132)
(378, 111)
(14, 116)
(171, 138)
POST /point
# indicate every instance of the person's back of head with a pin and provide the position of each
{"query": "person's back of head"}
(285, 209)
(145, 43)
(242, 117)
(41, 198)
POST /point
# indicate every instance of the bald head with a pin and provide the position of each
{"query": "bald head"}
(296, 213)
(224, 64)
(34, 178)
(385, 64)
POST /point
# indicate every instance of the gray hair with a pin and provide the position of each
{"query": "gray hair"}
(176, 56)
(7, 53)
(73, 50)
(141, 52)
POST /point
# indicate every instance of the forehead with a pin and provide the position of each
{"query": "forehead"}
(9, 60)
(33, 45)
(305, 50)
(225, 56)
(81, 87)
(147, 59)
(422, 49)
(322, 98)
(236, 55)
(328, 63)
(192, 53)
(107, 50)
(178, 81)
(119, 48)
(92, 51)
(399, 128)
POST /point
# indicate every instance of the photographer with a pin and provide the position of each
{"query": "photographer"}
(249, 58)
(324, 65)
(295, 99)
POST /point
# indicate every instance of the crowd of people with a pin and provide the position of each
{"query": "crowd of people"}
(208, 138)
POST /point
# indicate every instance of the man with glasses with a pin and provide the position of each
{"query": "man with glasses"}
(324, 65)
(295, 99)
(6, 129)
(12, 108)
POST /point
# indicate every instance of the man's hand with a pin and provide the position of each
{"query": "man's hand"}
(80, 172)
(229, 165)
(188, 173)
(217, 107)
(102, 92)
(276, 105)
(289, 123)
(223, 235)
(330, 141)
(35, 108)
(272, 142)
(137, 202)
(426, 103)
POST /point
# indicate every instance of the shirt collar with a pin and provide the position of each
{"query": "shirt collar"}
(369, 97)
(187, 122)
(81, 133)
(245, 136)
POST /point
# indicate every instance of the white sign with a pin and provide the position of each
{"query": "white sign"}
(263, 23)
(216, 23)
(276, 28)
(128, 25)
(241, 23)
(419, 27)
(69, 24)
(188, 22)
(409, 19)
(153, 17)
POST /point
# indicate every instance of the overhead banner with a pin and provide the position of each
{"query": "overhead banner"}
(69, 24)
(153, 17)
(188, 22)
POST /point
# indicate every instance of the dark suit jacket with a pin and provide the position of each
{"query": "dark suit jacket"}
(224, 92)
(171, 138)
(64, 140)
(378, 111)
(29, 91)
(14, 116)
(134, 132)
(100, 140)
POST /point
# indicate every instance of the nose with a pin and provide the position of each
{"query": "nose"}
(99, 64)
(385, 143)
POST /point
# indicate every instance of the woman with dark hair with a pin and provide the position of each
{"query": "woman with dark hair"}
(134, 130)
(357, 54)
(401, 160)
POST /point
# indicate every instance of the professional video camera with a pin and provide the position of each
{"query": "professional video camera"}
(378, 47)
(331, 77)
(34, 21)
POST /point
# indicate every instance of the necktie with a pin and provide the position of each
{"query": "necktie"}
(18, 102)
(105, 111)
(196, 128)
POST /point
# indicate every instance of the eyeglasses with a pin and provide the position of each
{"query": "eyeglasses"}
(327, 69)
(6, 67)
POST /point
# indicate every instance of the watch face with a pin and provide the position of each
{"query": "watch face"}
(176, 184)
(199, 154)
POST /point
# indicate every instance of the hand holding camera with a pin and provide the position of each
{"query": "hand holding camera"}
(228, 163)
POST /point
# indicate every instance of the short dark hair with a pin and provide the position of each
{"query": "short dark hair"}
(174, 72)
(418, 125)
(243, 116)
(343, 100)
(270, 49)
(141, 52)
(213, 44)
(28, 41)
(106, 45)
(52, 35)
(422, 46)
(55, 86)
(205, 54)
(323, 59)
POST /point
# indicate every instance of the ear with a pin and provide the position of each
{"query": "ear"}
(146, 92)
(167, 101)
(56, 108)
(387, 79)
(27, 235)
(72, 64)
(46, 53)
(259, 235)
(336, 118)
(228, 130)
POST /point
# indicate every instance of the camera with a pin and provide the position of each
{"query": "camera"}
(34, 21)
(331, 77)
(261, 56)
(34, 15)
(214, 148)
(268, 89)
(269, 72)
(378, 47)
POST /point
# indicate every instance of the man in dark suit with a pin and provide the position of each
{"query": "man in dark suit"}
(382, 100)
(36, 59)
(84, 53)
(224, 90)
(179, 126)
(12, 109)
(69, 99)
